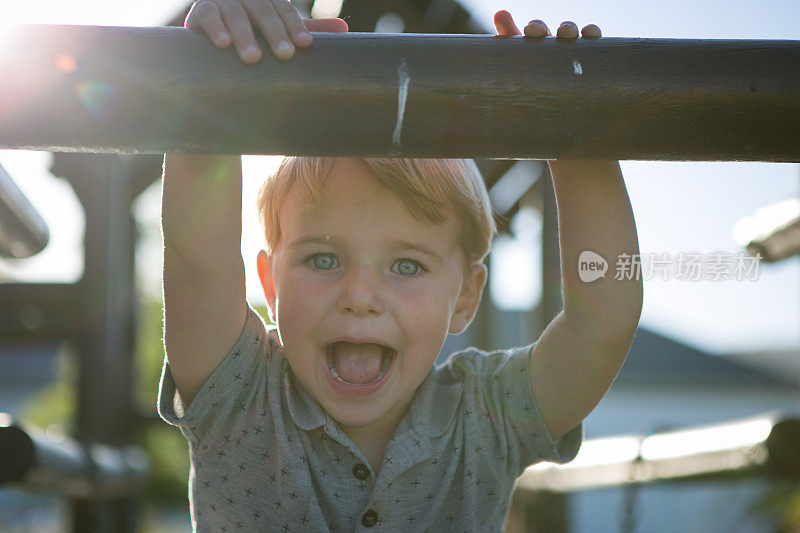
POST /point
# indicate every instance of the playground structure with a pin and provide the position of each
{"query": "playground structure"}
(157, 90)
(400, 95)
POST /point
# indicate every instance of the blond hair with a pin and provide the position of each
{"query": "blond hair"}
(431, 189)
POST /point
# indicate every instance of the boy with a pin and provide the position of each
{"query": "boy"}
(335, 420)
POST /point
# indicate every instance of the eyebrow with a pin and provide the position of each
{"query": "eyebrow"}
(311, 240)
(405, 245)
(395, 244)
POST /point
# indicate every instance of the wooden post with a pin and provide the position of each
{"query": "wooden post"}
(104, 341)
(155, 90)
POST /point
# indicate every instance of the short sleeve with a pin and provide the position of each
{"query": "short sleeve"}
(502, 393)
(236, 386)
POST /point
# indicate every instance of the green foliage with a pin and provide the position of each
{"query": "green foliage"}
(166, 448)
(781, 500)
(148, 354)
(168, 454)
(57, 403)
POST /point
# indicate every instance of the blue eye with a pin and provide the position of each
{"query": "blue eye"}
(324, 261)
(406, 267)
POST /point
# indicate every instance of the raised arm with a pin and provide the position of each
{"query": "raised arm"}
(204, 294)
(581, 351)
(576, 359)
(204, 291)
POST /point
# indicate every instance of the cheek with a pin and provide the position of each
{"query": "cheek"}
(300, 311)
(299, 300)
(425, 313)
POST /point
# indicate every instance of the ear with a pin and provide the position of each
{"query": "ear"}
(264, 264)
(468, 300)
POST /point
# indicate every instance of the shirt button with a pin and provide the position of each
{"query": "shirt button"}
(369, 519)
(361, 472)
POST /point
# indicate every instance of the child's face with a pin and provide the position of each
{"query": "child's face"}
(361, 289)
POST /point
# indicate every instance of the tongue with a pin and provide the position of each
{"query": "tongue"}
(357, 363)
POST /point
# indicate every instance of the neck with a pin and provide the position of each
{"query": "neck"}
(372, 439)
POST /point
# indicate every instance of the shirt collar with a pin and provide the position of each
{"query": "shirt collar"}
(303, 409)
(434, 405)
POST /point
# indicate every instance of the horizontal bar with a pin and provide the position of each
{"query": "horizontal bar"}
(32, 461)
(155, 90)
(23, 231)
(763, 446)
(40, 311)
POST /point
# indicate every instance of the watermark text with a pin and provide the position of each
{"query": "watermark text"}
(681, 266)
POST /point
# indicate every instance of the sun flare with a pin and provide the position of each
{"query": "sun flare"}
(7, 23)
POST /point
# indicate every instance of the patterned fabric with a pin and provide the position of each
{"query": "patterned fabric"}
(266, 457)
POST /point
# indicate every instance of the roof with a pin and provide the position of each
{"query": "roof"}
(654, 358)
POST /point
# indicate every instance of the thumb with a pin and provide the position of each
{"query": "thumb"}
(326, 25)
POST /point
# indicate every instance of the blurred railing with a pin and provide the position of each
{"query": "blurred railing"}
(765, 446)
(33, 461)
(23, 231)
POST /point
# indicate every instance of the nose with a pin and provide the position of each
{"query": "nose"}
(361, 292)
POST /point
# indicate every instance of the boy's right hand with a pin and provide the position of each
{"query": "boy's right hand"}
(226, 21)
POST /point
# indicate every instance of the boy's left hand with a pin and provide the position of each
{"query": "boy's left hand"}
(536, 28)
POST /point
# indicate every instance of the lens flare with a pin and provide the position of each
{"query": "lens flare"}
(220, 175)
(95, 96)
(65, 63)
(6, 26)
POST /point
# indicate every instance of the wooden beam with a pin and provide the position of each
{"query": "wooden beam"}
(152, 90)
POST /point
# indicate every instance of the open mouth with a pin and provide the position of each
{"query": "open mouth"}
(358, 363)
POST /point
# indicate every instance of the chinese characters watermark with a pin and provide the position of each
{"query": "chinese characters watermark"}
(683, 266)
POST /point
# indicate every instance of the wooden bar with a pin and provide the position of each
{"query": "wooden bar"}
(153, 90)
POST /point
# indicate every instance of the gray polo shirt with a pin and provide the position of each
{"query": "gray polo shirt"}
(266, 457)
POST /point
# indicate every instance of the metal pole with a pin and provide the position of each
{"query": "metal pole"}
(155, 90)
(23, 231)
(34, 462)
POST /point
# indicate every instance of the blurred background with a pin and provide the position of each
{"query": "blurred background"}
(709, 351)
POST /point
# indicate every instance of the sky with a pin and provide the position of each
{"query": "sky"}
(679, 207)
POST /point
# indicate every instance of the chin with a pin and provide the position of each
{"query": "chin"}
(355, 416)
